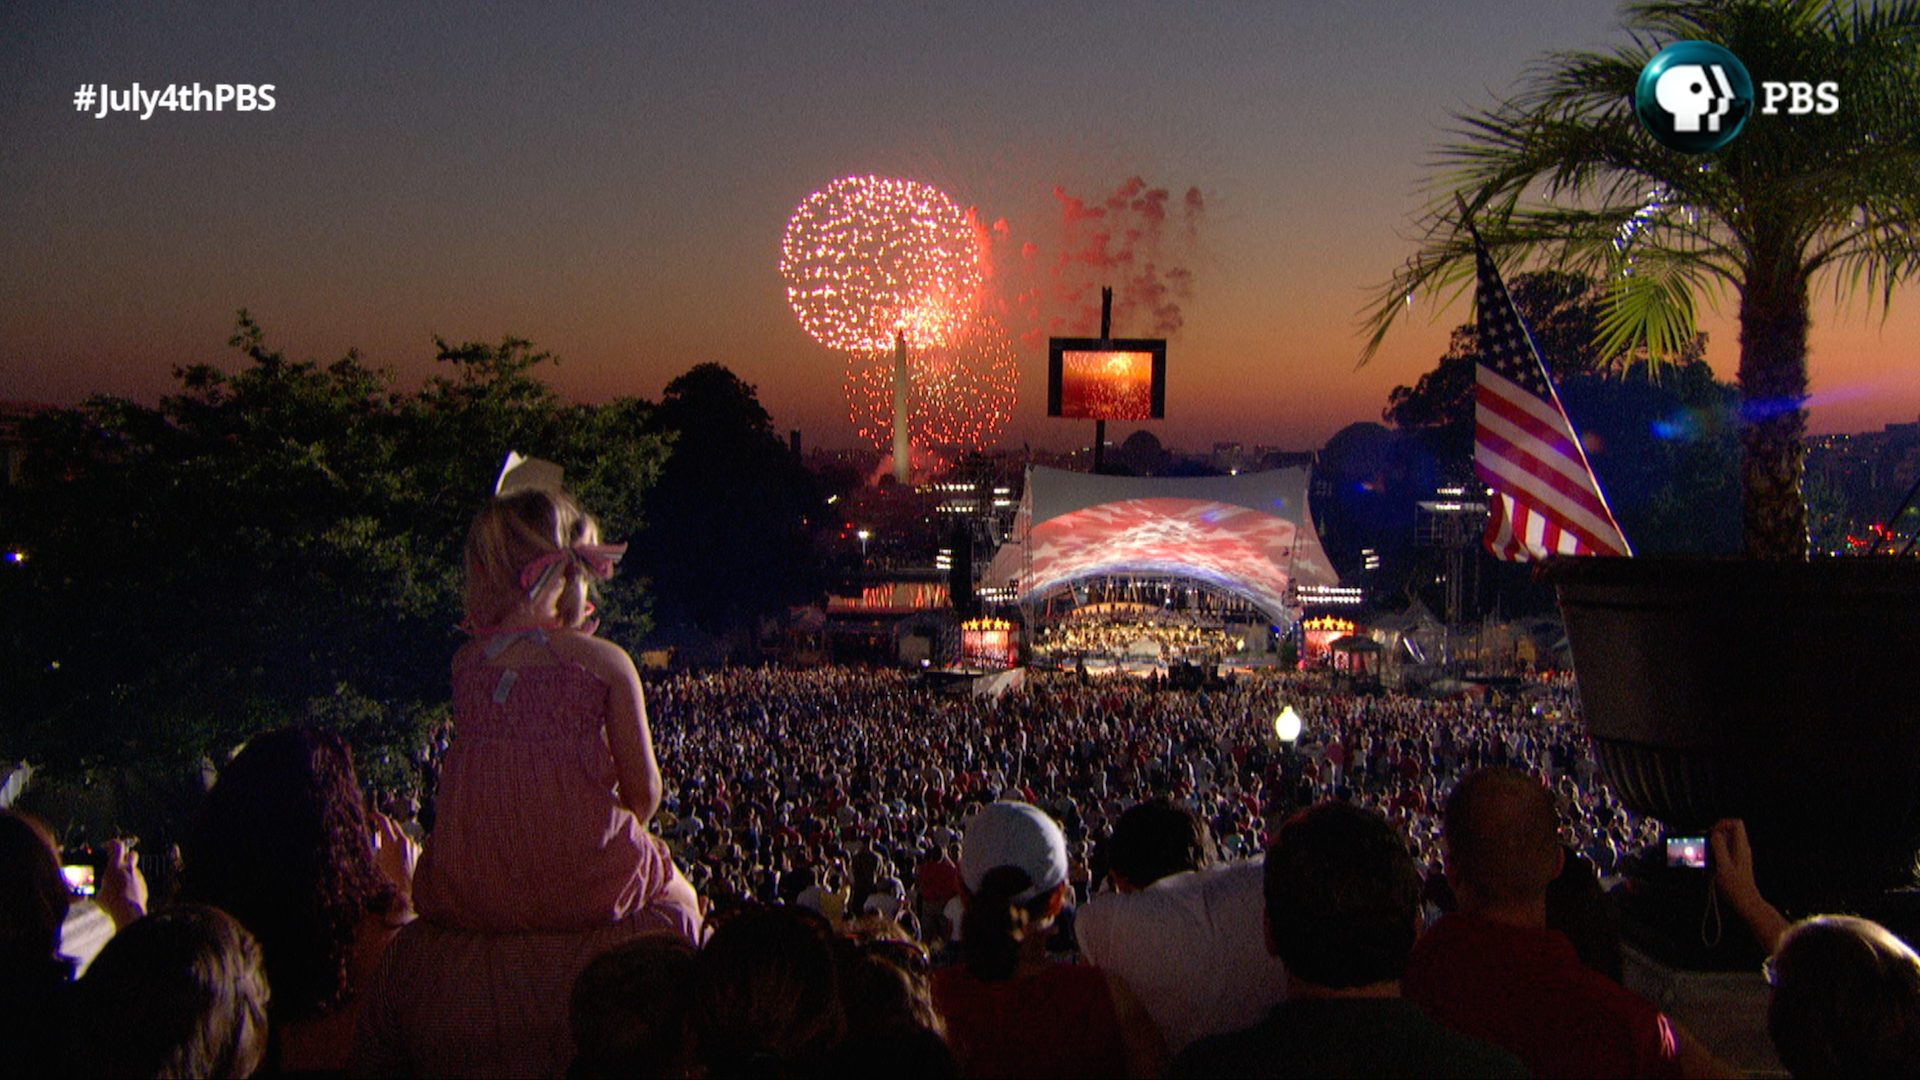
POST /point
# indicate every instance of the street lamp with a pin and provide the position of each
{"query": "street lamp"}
(1286, 726)
(864, 536)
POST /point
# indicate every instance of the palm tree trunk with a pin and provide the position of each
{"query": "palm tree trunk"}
(1773, 387)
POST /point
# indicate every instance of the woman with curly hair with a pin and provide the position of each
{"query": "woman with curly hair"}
(286, 845)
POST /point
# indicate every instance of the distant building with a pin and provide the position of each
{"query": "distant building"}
(1855, 484)
(1271, 457)
(13, 445)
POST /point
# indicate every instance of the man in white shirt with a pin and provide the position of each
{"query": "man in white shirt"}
(1189, 938)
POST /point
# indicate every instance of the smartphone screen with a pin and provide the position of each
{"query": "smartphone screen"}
(79, 879)
(1687, 851)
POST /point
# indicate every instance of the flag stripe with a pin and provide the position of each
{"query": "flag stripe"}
(1520, 404)
(1545, 503)
(1535, 533)
(1510, 403)
(1524, 465)
(1498, 434)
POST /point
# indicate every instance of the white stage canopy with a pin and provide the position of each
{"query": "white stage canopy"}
(1249, 535)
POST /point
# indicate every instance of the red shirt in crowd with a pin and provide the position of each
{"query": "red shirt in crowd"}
(1527, 991)
(939, 882)
(1060, 1022)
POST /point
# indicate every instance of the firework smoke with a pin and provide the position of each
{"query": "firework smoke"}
(1137, 239)
(867, 256)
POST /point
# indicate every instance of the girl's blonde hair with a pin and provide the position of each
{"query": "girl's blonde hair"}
(513, 531)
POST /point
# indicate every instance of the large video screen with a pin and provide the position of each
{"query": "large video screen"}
(1097, 379)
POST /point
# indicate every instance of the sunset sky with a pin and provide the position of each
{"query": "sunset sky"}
(613, 180)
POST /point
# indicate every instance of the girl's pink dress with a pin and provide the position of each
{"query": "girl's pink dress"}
(534, 867)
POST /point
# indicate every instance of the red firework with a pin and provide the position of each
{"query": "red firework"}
(867, 257)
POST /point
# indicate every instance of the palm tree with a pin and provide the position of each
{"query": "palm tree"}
(1563, 171)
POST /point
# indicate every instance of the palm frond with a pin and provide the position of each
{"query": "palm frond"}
(1649, 312)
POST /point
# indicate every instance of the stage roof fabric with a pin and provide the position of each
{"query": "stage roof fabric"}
(1250, 535)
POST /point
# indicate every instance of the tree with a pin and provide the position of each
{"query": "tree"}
(1666, 454)
(1366, 483)
(278, 543)
(1141, 454)
(730, 525)
(1562, 312)
(1563, 169)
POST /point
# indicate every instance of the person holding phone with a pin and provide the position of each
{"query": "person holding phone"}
(1496, 971)
(36, 978)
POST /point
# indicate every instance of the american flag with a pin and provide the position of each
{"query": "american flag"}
(1546, 500)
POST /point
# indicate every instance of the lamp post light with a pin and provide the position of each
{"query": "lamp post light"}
(864, 536)
(1286, 726)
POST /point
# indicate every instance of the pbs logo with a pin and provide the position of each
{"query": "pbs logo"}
(1799, 98)
(1694, 97)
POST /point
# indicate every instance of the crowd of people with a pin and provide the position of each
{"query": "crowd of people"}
(762, 872)
(784, 777)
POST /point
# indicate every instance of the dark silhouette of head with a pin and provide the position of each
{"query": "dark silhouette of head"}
(1343, 897)
(1846, 1000)
(179, 993)
(1156, 839)
(766, 996)
(630, 1010)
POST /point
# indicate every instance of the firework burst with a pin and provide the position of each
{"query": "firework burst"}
(962, 393)
(867, 257)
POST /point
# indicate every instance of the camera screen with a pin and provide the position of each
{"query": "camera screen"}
(1688, 851)
(79, 879)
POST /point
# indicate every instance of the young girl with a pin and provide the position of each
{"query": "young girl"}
(551, 779)
(540, 858)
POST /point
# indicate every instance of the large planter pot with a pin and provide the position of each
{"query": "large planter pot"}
(1787, 694)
